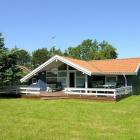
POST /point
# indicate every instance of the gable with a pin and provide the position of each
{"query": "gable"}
(51, 60)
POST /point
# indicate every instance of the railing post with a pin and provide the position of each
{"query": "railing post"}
(115, 94)
(96, 93)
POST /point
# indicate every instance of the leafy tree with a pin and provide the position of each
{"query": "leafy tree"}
(105, 51)
(73, 52)
(39, 56)
(91, 49)
(88, 48)
(54, 51)
(23, 57)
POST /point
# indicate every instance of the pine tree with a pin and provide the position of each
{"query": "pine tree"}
(9, 72)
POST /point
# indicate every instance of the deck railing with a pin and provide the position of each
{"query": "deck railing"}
(19, 90)
(8, 90)
(99, 91)
(29, 90)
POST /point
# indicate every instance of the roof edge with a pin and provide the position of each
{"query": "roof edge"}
(115, 59)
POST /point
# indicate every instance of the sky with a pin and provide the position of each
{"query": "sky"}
(33, 24)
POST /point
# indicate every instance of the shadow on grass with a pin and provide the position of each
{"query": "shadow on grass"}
(9, 96)
(123, 97)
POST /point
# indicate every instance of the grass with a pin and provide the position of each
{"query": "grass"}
(24, 119)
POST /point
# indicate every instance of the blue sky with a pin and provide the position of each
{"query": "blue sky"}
(32, 24)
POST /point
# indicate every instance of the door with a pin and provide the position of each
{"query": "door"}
(72, 79)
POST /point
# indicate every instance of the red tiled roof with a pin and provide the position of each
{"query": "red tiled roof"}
(108, 66)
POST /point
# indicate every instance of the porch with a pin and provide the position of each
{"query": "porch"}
(100, 92)
(81, 93)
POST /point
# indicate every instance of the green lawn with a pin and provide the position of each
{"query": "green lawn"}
(25, 119)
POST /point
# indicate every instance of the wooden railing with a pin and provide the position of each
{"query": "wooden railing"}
(19, 90)
(29, 90)
(99, 91)
(8, 90)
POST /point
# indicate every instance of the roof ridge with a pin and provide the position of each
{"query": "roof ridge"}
(114, 59)
(73, 58)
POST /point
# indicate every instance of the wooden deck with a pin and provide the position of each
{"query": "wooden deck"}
(62, 95)
(47, 95)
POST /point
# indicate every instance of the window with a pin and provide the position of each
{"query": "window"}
(80, 79)
(51, 77)
(96, 81)
(62, 74)
(51, 80)
(62, 67)
(51, 74)
(111, 80)
(57, 77)
(34, 80)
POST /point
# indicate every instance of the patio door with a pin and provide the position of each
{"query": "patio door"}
(72, 79)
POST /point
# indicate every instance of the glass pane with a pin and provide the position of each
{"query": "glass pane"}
(62, 81)
(79, 74)
(96, 81)
(62, 67)
(62, 74)
(34, 80)
(80, 82)
(51, 80)
(110, 80)
(51, 74)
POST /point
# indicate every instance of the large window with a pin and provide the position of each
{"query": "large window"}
(51, 77)
(62, 75)
(96, 81)
(56, 77)
(80, 79)
(111, 80)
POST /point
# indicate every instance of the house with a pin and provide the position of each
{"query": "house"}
(111, 77)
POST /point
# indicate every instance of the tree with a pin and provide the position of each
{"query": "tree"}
(2, 43)
(91, 49)
(23, 57)
(9, 72)
(73, 52)
(39, 56)
(54, 51)
(105, 51)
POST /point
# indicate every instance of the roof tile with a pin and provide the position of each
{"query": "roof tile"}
(128, 65)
